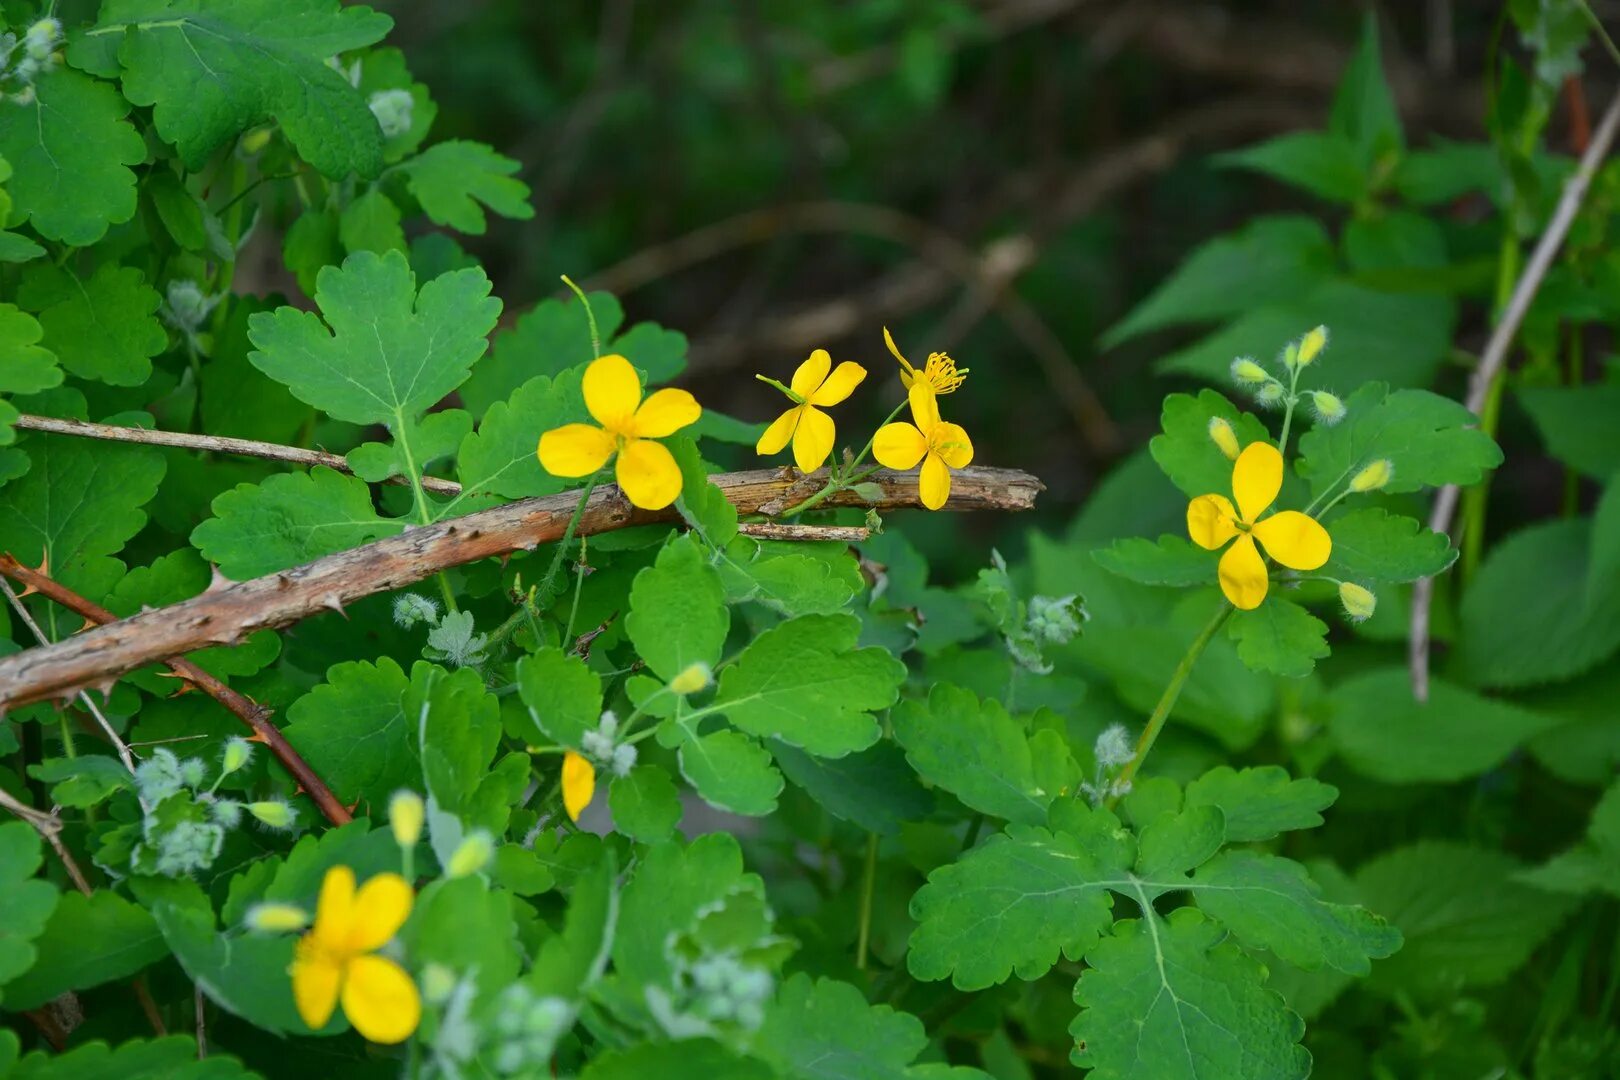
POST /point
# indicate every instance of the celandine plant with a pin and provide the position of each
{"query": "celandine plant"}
(635, 783)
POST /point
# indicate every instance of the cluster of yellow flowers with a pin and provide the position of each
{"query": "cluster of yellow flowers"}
(627, 427)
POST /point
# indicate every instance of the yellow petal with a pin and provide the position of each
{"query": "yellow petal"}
(1297, 541)
(334, 911)
(950, 442)
(380, 908)
(664, 413)
(575, 449)
(777, 435)
(578, 784)
(898, 446)
(1211, 521)
(380, 1000)
(1256, 479)
(839, 385)
(648, 474)
(315, 981)
(812, 373)
(612, 390)
(906, 370)
(1243, 574)
(924, 406)
(934, 482)
(813, 442)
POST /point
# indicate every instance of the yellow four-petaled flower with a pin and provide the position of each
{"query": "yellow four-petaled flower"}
(1295, 540)
(939, 372)
(645, 470)
(939, 445)
(337, 959)
(810, 429)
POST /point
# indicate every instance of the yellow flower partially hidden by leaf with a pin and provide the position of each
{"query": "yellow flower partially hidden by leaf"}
(337, 959)
(645, 470)
(578, 784)
(1295, 540)
(940, 372)
(939, 445)
(810, 429)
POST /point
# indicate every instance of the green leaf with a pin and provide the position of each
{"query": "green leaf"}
(1276, 258)
(1577, 424)
(451, 179)
(84, 780)
(806, 683)
(688, 1059)
(826, 1030)
(1260, 802)
(500, 458)
(310, 244)
(1326, 165)
(678, 615)
(1018, 900)
(1279, 637)
(1466, 922)
(669, 889)
(70, 150)
(211, 72)
(1175, 842)
(371, 223)
(1594, 865)
(353, 731)
(1173, 1000)
(1430, 441)
(874, 788)
(973, 750)
(1447, 171)
(645, 804)
(26, 903)
(459, 728)
(102, 327)
(548, 339)
(88, 941)
(1363, 108)
(384, 69)
(1384, 733)
(289, 519)
(1185, 452)
(1372, 545)
(385, 352)
(563, 697)
(1174, 560)
(173, 1057)
(702, 504)
(26, 367)
(466, 926)
(791, 578)
(732, 772)
(418, 444)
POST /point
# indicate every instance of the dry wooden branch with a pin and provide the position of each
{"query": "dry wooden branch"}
(218, 444)
(250, 712)
(228, 613)
(771, 530)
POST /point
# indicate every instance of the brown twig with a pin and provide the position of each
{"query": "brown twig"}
(248, 711)
(226, 614)
(771, 530)
(49, 826)
(1494, 358)
(219, 444)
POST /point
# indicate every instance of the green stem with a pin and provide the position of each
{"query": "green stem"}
(1167, 701)
(423, 513)
(868, 888)
(567, 537)
(68, 749)
(579, 587)
(1474, 498)
(1288, 412)
(1574, 370)
(590, 316)
(836, 483)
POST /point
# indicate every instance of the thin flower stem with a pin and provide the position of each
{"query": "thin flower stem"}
(590, 316)
(567, 537)
(1288, 413)
(1167, 701)
(837, 482)
(579, 587)
(868, 888)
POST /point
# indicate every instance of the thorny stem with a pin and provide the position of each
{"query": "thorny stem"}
(868, 887)
(1167, 701)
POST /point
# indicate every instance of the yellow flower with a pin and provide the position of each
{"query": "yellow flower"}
(646, 471)
(578, 784)
(940, 371)
(811, 429)
(1293, 539)
(338, 958)
(940, 446)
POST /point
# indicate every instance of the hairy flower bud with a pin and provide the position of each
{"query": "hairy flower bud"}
(411, 608)
(1359, 603)
(471, 855)
(405, 814)
(1311, 345)
(272, 813)
(624, 759)
(1113, 746)
(393, 109)
(693, 678)
(1248, 373)
(1373, 477)
(438, 983)
(276, 918)
(1329, 408)
(238, 752)
(1223, 436)
(1270, 395)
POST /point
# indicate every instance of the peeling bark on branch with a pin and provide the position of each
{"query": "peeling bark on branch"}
(226, 614)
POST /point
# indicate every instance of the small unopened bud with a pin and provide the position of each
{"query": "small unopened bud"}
(227, 812)
(405, 813)
(471, 855)
(193, 772)
(1329, 408)
(1247, 372)
(1373, 477)
(272, 814)
(1113, 746)
(1290, 355)
(694, 678)
(276, 918)
(393, 109)
(42, 38)
(238, 752)
(1311, 345)
(1222, 435)
(1270, 395)
(624, 759)
(438, 983)
(1359, 603)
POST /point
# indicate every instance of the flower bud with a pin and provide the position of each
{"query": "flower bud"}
(272, 813)
(578, 784)
(1373, 477)
(1222, 435)
(405, 813)
(238, 751)
(695, 677)
(1113, 746)
(1329, 408)
(276, 918)
(624, 759)
(393, 109)
(471, 855)
(1270, 395)
(1312, 344)
(1245, 371)
(438, 983)
(1290, 355)
(1359, 603)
